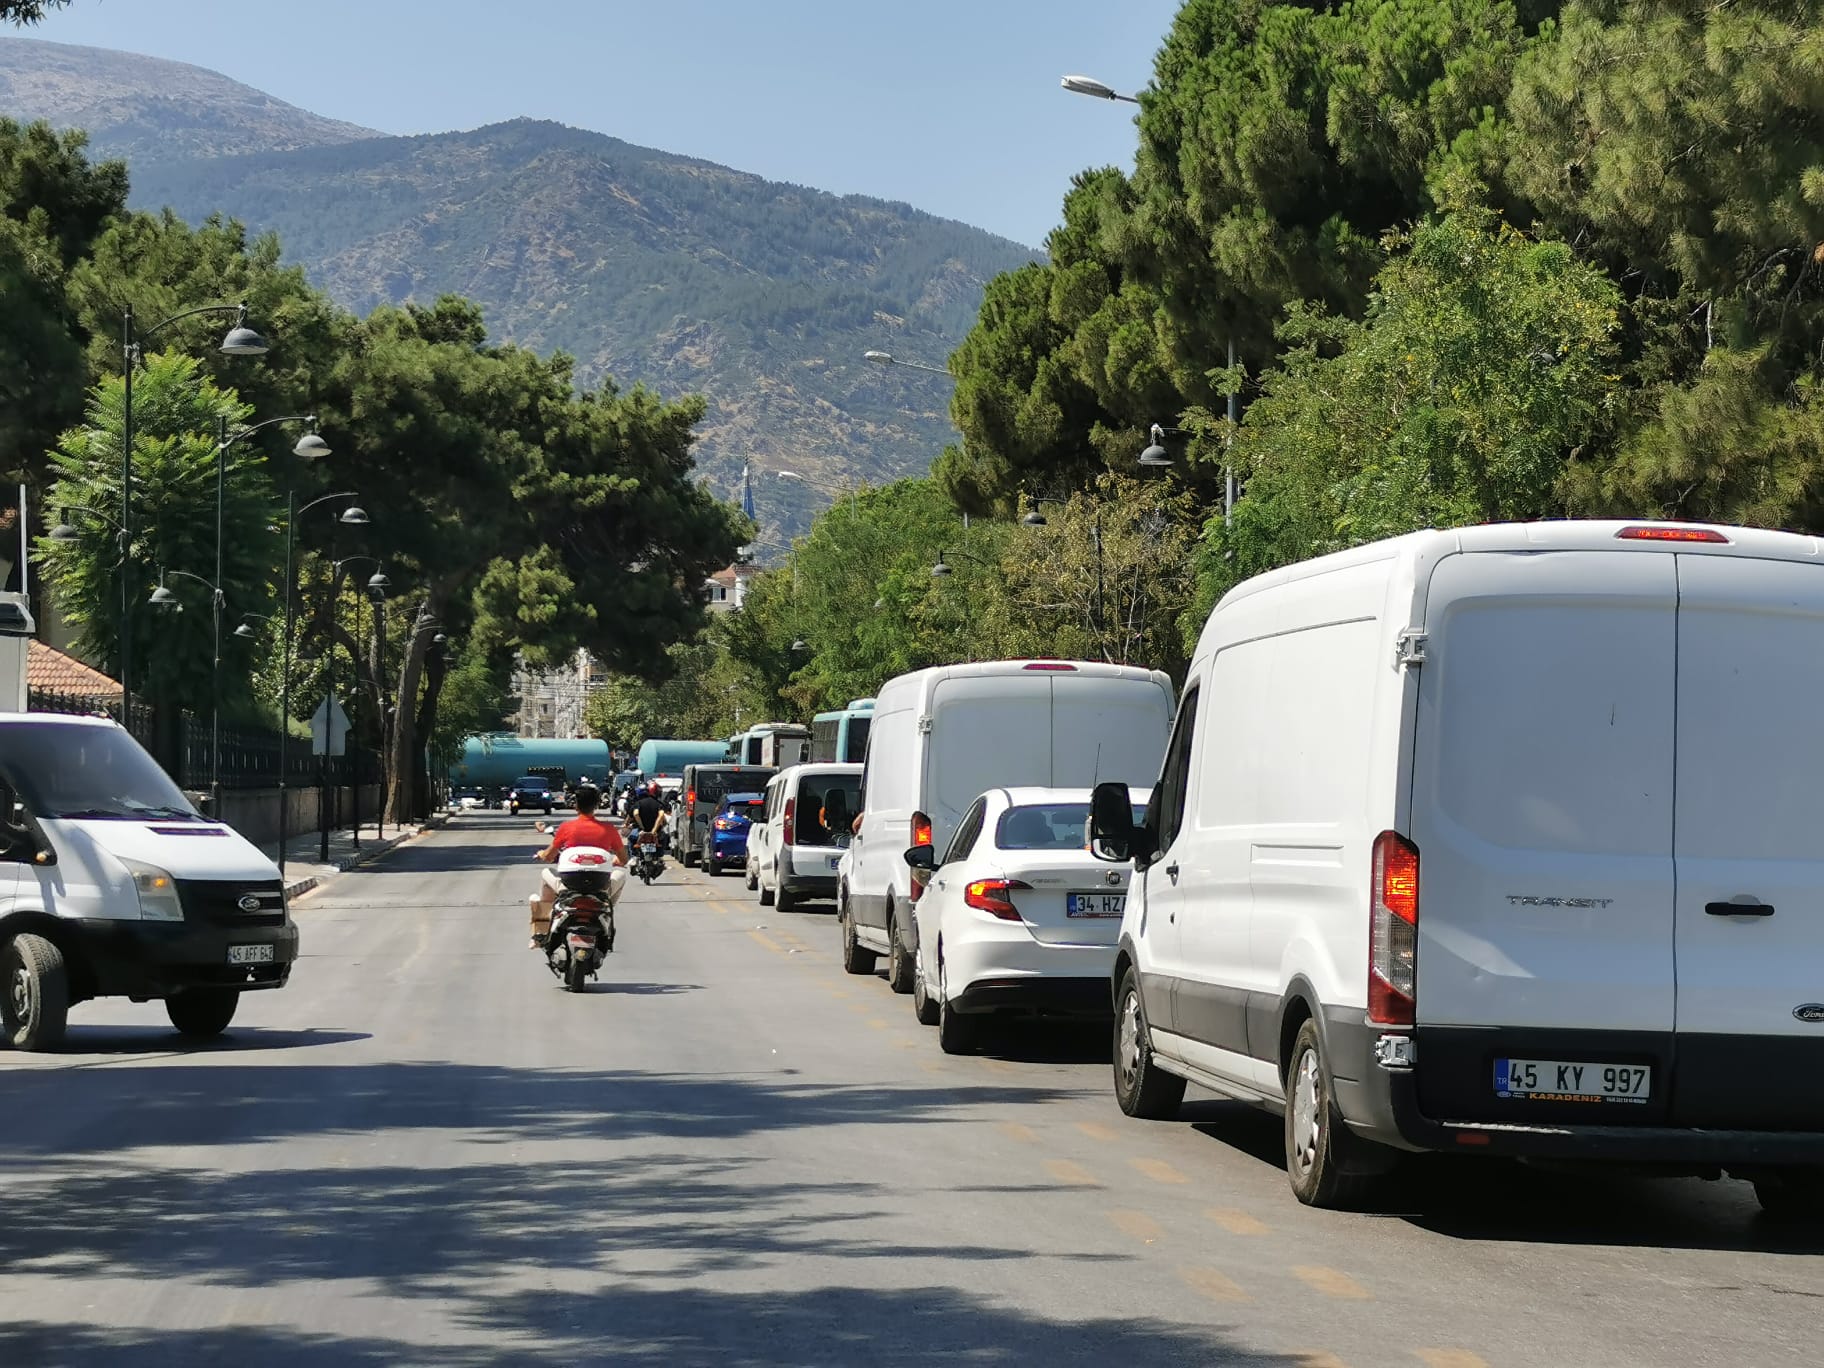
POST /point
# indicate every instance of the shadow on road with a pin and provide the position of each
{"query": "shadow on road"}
(135, 1040)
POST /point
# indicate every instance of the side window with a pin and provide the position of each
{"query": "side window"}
(966, 832)
(1165, 814)
(16, 843)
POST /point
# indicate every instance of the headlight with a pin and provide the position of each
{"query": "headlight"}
(158, 900)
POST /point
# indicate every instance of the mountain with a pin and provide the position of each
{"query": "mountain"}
(147, 109)
(645, 265)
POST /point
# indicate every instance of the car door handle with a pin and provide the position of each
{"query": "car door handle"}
(1739, 909)
(1171, 872)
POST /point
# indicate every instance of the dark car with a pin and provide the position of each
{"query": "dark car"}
(705, 786)
(728, 831)
(530, 791)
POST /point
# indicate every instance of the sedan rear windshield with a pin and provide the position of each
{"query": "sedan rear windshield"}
(750, 809)
(1048, 826)
(97, 773)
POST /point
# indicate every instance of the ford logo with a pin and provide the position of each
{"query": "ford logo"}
(250, 903)
(1812, 1012)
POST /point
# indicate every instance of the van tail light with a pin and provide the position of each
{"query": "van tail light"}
(791, 807)
(1056, 666)
(990, 896)
(921, 829)
(1393, 931)
(1671, 534)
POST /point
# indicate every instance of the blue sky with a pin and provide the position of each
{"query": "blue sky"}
(952, 105)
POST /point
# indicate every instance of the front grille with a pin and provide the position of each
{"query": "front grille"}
(218, 901)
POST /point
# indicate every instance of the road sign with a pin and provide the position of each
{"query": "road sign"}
(329, 729)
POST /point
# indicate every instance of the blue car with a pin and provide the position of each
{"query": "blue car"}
(728, 831)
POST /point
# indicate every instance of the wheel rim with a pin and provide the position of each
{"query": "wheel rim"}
(1130, 1038)
(1307, 1116)
(19, 993)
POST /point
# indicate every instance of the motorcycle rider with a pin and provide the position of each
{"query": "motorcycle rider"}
(584, 829)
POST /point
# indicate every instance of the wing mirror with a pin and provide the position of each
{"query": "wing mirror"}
(922, 857)
(1112, 835)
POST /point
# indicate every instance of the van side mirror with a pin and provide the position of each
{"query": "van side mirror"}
(1111, 823)
(922, 857)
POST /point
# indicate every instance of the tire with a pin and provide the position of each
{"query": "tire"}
(1142, 1088)
(956, 1034)
(202, 1013)
(690, 858)
(899, 961)
(753, 878)
(35, 995)
(924, 1006)
(576, 978)
(855, 958)
(1794, 1194)
(785, 898)
(1327, 1164)
(714, 866)
(766, 895)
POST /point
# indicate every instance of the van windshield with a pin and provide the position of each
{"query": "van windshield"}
(97, 773)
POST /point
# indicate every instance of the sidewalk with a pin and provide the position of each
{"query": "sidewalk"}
(304, 870)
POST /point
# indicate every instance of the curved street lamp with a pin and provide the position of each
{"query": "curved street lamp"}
(881, 358)
(1089, 85)
(164, 598)
(240, 340)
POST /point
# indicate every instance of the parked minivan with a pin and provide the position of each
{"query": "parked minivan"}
(705, 786)
(1502, 840)
(942, 736)
(793, 851)
(112, 885)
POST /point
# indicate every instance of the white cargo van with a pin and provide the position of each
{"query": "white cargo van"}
(941, 737)
(112, 885)
(1503, 840)
(794, 849)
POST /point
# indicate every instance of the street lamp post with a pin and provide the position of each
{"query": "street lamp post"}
(240, 340)
(378, 582)
(1099, 610)
(164, 598)
(881, 358)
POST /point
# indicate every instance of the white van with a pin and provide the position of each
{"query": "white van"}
(794, 849)
(943, 736)
(111, 885)
(1502, 840)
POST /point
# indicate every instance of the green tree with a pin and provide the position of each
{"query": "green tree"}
(175, 411)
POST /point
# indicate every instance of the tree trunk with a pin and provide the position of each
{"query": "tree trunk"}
(404, 761)
(435, 667)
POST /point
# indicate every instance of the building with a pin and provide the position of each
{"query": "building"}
(727, 589)
(50, 671)
(552, 702)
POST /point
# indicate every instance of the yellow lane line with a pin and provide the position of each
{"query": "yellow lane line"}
(1158, 1170)
(1015, 1130)
(1064, 1171)
(1317, 1358)
(1331, 1282)
(1211, 1284)
(760, 938)
(1095, 1130)
(877, 1023)
(1450, 1358)
(1136, 1224)
(1236, 1222)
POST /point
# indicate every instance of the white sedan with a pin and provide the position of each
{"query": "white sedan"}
(1018, 916)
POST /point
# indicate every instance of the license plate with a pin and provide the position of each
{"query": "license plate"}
(1095, 904)
(835, 862)
(1551, 1080)
(250, 954)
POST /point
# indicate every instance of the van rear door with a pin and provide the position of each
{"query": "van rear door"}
(1749, 837)
(987, 731)
(1542, 804)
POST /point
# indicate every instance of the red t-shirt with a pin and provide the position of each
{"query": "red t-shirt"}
(585, 830)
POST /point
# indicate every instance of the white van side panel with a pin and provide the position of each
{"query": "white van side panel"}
(1542, 792)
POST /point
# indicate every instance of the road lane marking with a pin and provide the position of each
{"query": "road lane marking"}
(1211, 1284)
(1016, 1130)
(1450, 1358)
(1236, 1222)
(1095, 1130)
(1064, 1171)
(1158, 1170)
(1331, 1282)
(1136, 1224)
(760, 937)
(877, 1023)
(1317, 1358)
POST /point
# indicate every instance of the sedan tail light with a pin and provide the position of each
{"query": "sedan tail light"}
(990, 896)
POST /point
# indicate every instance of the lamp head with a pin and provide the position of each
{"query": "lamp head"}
(243, 340)
(939, 570)
(244, 631)
(879, 358)
(311, 447)
(379, 583)
(1033, 519)
(355, 517)
(164, 598)
(65, 532)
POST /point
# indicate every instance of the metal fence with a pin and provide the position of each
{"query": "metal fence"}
(249, 755)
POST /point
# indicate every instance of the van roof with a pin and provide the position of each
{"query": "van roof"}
(57, 719)
(1052, 669)
(1570, 534)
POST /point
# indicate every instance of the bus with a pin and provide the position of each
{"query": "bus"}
(772, 744)
(842, 737)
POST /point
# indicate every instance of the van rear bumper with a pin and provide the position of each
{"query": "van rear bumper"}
(143, 960)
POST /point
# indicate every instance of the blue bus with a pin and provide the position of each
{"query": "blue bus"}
(842, 737)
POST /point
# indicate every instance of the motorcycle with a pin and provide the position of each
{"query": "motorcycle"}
(582, 922)
(648, 859)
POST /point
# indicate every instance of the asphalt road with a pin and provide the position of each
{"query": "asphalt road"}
(729, 1152)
